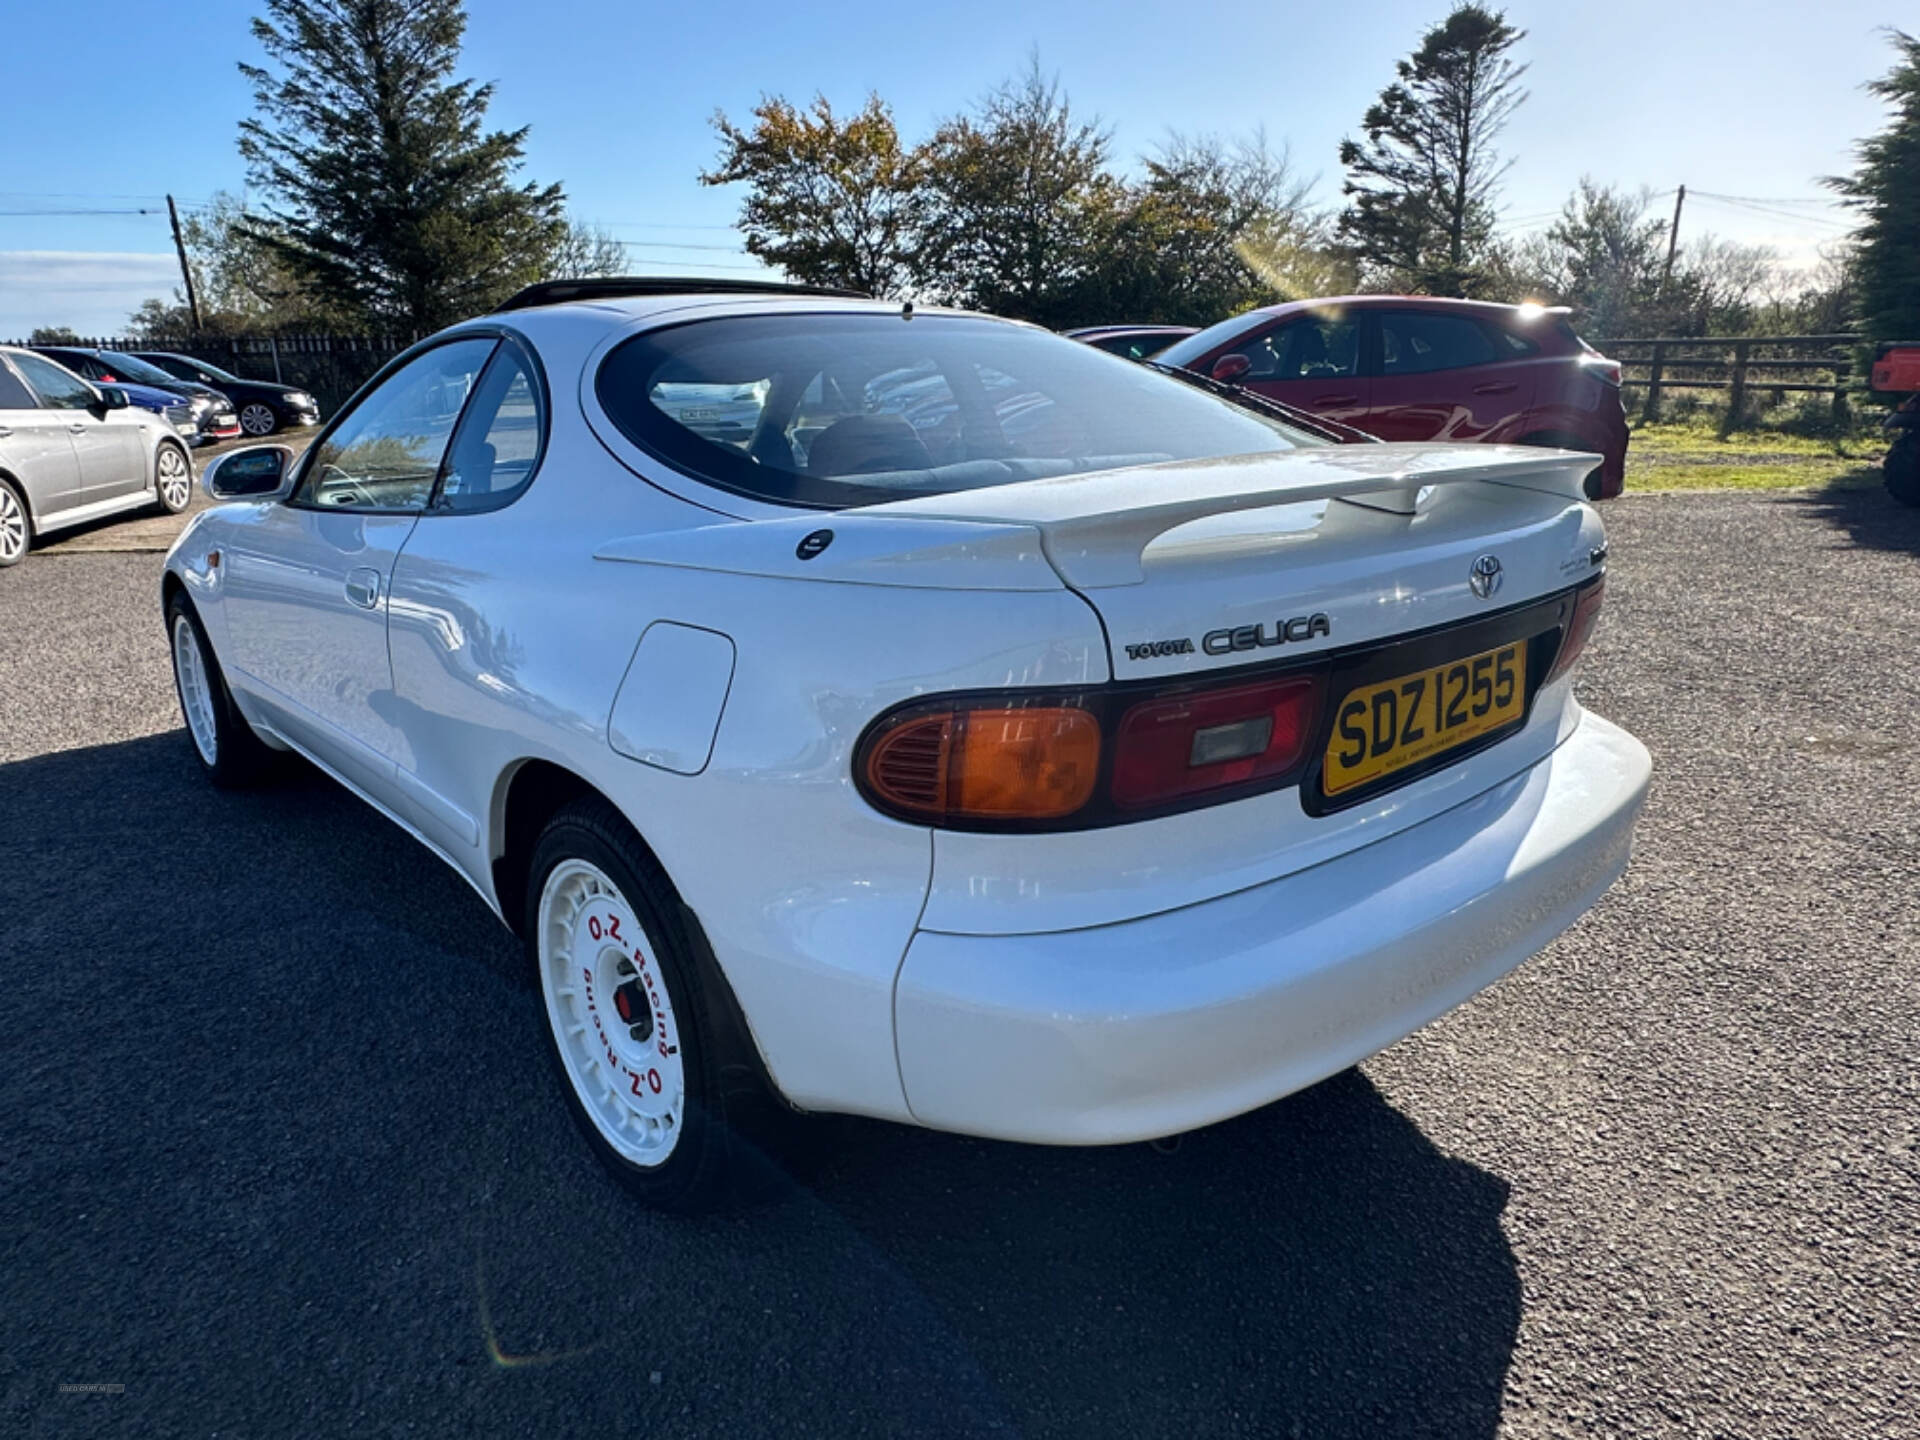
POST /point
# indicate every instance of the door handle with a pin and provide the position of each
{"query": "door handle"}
(1335, 400)
(363, 587)
(76, 428)
(6, 432)
(1503, 388)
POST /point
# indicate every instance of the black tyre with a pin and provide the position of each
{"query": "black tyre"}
(232, 755)
(16, 525)
(1902, 469)
(636, 1020)
(172, 478)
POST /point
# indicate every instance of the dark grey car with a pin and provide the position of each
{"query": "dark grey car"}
(71, 451)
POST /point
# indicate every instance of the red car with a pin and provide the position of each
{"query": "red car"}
(1417, 368)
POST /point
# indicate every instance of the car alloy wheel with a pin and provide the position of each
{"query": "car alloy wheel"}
(174, 479)
(234, 756)
(612, 1014)
(258, 419)
(13, 526)
(197, 699)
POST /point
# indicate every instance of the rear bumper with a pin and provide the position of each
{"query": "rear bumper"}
(1155, 1026)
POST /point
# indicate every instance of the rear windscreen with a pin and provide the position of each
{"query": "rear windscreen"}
(838, 409)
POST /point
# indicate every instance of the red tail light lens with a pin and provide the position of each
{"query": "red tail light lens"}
(1605, 369)
(1170, 748)
(1586, 614)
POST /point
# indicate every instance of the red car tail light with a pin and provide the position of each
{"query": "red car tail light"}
(1586, 614)
(1181, 745)
(1605, 369)
(991, 762)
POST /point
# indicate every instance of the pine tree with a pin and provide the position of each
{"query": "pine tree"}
(1422, 182)
(389, 202)
(1886, 190)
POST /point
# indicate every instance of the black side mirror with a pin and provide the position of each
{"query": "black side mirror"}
(260, 472)
(112, 397)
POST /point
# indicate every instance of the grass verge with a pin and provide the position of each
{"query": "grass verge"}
(1678, 455)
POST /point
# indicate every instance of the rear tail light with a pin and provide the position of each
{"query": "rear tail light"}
(1603, 368)
(1064, 761)
(994, 762)
(1586, 613)
(1171, 748)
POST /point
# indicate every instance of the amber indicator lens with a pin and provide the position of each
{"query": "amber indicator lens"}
(1183, 745)
(1034, 762)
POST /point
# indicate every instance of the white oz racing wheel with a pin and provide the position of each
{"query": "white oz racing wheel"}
(611, 1013)
(651, 1067)
(229, 751)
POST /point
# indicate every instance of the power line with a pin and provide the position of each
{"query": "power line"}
(675, 245)
(1757, 209)
(156, 210)
(1773, 200)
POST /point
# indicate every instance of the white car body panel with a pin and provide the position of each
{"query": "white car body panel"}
(507, 637)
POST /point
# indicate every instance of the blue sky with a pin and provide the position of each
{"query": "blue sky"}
(111, 105)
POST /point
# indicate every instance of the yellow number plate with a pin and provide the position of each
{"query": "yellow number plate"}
(1379, 729)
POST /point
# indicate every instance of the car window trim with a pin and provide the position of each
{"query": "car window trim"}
(360, 396)
(530, 363)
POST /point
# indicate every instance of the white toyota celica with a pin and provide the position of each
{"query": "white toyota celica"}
(919, 715)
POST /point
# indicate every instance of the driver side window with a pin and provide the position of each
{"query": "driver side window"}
(385, 452)
(1313, 348)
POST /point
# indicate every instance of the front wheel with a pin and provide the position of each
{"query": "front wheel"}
(232, 755)
(631, 1019)
(258, 419)
(1901, 469)
(173, 478)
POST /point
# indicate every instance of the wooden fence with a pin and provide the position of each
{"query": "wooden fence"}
(1742, 366)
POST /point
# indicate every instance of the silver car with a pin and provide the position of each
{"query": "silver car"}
(72, 451)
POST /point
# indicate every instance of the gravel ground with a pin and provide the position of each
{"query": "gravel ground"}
(285, 1157)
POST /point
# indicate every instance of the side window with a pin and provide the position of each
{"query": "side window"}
(13, 394)
(497, 446)
(385, 453)
(58, 389)
(1413, 342)
(1314, 348)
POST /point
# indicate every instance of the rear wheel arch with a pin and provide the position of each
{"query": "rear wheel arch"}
(12, 482)
(529, 795)
(20, 527)
(1554, 440)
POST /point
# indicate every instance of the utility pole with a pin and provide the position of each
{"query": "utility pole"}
(1673, 240)
(186, 275)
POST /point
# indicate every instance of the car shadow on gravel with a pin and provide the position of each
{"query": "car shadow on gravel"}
(286, 1157)
(1866, 514)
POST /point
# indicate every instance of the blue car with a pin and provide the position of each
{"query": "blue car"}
(176, 410)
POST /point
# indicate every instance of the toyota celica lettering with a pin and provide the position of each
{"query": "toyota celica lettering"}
(1264, 636)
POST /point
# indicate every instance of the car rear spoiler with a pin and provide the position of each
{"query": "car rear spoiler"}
(1095, 528)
